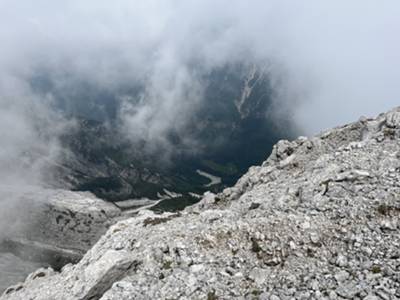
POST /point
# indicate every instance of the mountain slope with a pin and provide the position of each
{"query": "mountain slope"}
(228, 131)
(318, 220)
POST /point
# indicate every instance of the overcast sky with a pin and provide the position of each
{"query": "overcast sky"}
(332, 61)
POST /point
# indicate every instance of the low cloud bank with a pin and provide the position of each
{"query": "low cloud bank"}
(328, 62)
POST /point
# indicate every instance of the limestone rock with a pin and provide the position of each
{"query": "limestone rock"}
(325, 226)
(60, 225)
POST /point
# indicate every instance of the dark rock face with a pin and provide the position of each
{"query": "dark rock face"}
(319, 219)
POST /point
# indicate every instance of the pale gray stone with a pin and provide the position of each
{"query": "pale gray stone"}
(326, 227)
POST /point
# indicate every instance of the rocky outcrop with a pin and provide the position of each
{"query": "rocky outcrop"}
(318, 220)
(58, 225)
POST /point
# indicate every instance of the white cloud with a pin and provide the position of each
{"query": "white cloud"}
(331, 61)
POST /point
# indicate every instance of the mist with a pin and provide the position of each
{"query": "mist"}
(329, 63)
(144, 66)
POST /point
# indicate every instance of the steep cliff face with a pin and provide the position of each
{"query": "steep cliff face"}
(318, 220)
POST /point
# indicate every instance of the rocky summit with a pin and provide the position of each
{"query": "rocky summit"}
(318, 220)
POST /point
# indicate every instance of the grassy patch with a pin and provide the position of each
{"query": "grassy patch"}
(376, 269)
(228, 169)
(167, 265)
(156, 221)
(212, 296)
(387, 210)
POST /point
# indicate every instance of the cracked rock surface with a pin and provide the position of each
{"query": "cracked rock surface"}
(318, 220)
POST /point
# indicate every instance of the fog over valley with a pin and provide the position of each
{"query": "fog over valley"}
(152, 103)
